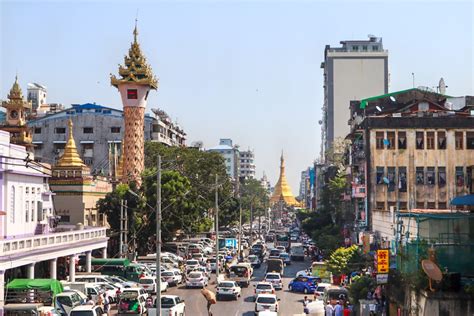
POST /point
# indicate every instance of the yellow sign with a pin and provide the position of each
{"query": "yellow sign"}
(383, 261)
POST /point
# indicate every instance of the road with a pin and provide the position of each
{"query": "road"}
(290, 303)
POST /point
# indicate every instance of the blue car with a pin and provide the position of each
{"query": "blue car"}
(304, 284)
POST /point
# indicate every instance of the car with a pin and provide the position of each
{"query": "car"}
(117, 279)
(137, 290)
(304, 284)
(274, 279)
(170, 305)
(228, 288)
(267, 313)
(110, 290)
(285, 257)
(87, 310)
(173, 277)
(266, 302)
(281, 248)
(149, 284)
(319, 291)
(264, 288)
(199, 256)
(274, 254)
(302, 273)
(191, 265)
(294, 238)
(196, 279)
(254, 261)
(132, 302)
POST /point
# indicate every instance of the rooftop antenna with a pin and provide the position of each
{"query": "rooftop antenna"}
(442, 86)
(413, 77)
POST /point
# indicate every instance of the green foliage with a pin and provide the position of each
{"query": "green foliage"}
(341, 261)
(359, 288)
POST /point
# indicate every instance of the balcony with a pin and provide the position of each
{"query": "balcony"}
(52, 241)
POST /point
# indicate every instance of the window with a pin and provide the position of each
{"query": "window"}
(12, 205)
(420, 144)
(375, 48)
(441, 176)
(402, 179)
(116, 129)
(146, 95)
(402, 140)
(458, 136)
(420, 205)
(430, 140)
(88, 130)
(442, 205)
(402, 205)
(379, 140)
(431, 205)
(355, 48)
(441, 140)
(390, 140)
(391, 178)
(27, 212)
(459, 176)
(430, 176)
(132, 94)
(380, 205)
(380, 174)
(65, 218)
(60, 130)
(470, 140)
(37, 130)
(420, 175)
(364, 48)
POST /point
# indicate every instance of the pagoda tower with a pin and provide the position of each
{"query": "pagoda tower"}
(16, 117)
(135, 82)
(282, 192)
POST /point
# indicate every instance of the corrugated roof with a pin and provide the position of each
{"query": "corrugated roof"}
(364, 102)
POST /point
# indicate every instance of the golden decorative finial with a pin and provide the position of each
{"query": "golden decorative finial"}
(15, 91)
(70, 157)
(135, 32)
(282, 190)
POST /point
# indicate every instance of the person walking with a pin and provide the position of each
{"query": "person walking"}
(106, 304)
(306, 301)
(90, 301)
(338, 309)
(329, 310)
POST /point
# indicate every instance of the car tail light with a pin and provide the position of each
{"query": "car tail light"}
(255, 291)
(273, 291)
(139, 309)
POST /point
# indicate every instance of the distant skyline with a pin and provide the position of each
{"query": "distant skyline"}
(245, 70)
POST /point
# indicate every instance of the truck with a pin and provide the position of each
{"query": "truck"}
(320, 270)
(170, 305)
(297, 252)
(118, 267)
(275, 265)
(48, 292)
(282, 239)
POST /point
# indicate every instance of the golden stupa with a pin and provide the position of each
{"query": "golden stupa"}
(282, 190)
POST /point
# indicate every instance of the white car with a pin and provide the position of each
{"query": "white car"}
(302, 273)
(87, 310)
(228, 288)
(267, 313)
(175, 257)
(110, 290)
(266, 302)
(191, 265)
(319, 291)
(274, 279)
(200, 257)
(264, 288)
(196, 279)
(173, 277)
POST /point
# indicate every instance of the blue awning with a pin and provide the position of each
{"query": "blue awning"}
(463, 200)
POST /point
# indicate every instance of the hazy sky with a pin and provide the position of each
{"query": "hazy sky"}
(246, 70)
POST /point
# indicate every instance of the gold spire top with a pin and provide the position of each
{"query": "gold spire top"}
(70, 157)
(282, 190)
(15, 91)
(136, 69)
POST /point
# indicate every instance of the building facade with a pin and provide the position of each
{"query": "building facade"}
(409, 153)
(247, 164)
(231, 156)
(36, 94)
(357, 70)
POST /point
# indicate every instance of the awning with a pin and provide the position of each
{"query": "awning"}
(86, 141)
(59, 142)
(37, 142)
(463, 200)
(114, 141)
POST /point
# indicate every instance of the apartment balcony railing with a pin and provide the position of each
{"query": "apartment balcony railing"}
(23, 245)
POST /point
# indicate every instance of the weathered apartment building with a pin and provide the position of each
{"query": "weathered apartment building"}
(411, 151)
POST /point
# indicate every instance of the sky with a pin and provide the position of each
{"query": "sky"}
(246, 70)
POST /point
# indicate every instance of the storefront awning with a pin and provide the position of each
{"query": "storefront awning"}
(463, 200)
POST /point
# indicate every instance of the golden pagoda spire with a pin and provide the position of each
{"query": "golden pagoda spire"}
(282, 190)
(70, 157)
(15, 91)
(136, 69)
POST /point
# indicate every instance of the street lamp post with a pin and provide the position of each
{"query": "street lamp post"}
(158, 237)
(217, 229)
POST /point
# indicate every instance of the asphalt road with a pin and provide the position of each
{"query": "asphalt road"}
(290, 303)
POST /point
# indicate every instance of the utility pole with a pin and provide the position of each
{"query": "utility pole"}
(240, 225)
(217, 228)
(251, 222)
(125, 228)
(121, 230)
(158, 238)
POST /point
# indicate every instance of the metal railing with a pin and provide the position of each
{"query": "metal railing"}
(10, 247)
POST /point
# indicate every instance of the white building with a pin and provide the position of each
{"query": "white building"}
(231, 156)
(28, 229)
(357, 70)
(36, 94)
(247, 164)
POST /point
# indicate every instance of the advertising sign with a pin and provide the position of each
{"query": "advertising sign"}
(382, 278)
(231, 242)
(383, 261)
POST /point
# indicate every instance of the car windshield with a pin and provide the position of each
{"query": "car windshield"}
(167, 302)
(264, 287)
(226, 284)
(266, 300)
(192, 262)
(167, 273)
(82, 313)
(320, 289)
(194, 275)
(145, 281)
(284, 255)
(273, 276)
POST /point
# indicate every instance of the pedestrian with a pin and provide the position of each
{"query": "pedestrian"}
(149, 301)
(100, 301)
(329, 309)
(338, 309)
(90, 301)
(106, 304)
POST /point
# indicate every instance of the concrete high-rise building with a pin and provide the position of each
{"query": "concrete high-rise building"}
(136, 81)
(247, 164)
(231, 156)
(357, 70)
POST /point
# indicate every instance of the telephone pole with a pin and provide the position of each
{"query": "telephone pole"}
(158, 238)
(217, 228)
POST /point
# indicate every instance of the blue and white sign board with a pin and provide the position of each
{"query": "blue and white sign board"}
(231, 242)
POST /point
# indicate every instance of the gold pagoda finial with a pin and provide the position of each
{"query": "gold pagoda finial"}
(15, 91)
(70, 157)
(282, 191)
(135, 32)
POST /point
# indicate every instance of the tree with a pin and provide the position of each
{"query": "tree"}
(341, 261)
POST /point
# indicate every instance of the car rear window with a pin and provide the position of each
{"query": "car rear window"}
(194, 275)
(167, 273)
(273, 276)
(320, 289)
(145, 281)
(226, 284)
(167, 302)
(192, 262)
(264, 287)
(266, 300)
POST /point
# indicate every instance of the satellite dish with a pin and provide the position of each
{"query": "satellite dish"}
(442, 86)
(378, 108)
(392, 98)
(320, 122)
(432, 271)
(358, 119)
